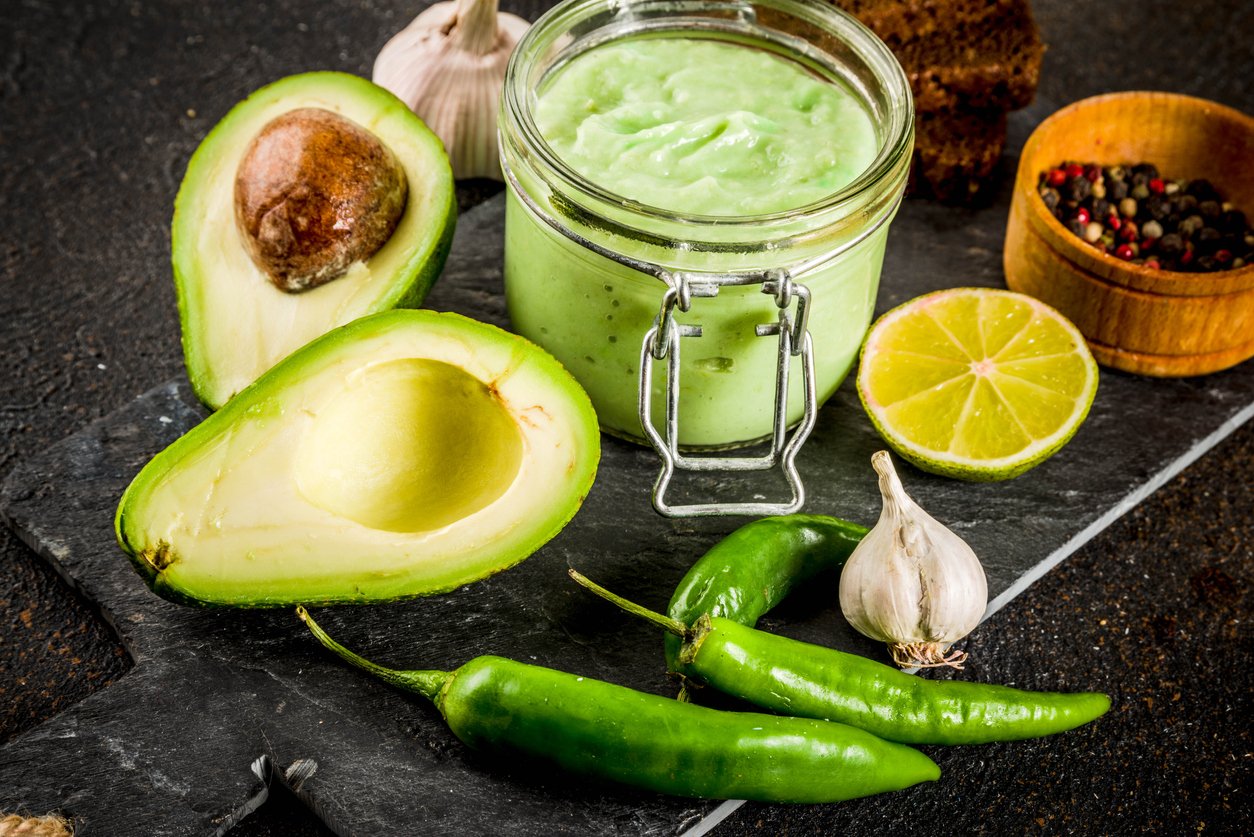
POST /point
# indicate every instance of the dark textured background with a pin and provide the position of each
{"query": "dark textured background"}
(100, 106)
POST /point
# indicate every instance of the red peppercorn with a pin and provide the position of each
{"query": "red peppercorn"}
(1157, 186)
(1056, 177)
(1124, 252)
(1128, 233)
(1114, 222)
(1082, 215)
(1186, 257)
(1093, 173)
(1148, 244)
(1223, 256)
(1074, 170)
(1153, 264)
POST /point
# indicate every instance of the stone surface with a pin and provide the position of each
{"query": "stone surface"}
(100, 106)
(213, 690)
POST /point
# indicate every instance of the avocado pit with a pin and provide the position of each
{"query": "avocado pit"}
(314, 193)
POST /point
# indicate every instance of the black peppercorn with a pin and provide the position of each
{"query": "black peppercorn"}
(1232, 222)
(1147, 171)
(1051, 198)
(1207, 239)
(1101, 208)
(1171, 245)
(1156, 207)
(1078, 188)
(1209, 210)
(1117, 191)
(1202, 189)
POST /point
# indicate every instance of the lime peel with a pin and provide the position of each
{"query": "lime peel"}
(1009, 411)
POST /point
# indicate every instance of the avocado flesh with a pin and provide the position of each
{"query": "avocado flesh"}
(405, 454)
(235, 323)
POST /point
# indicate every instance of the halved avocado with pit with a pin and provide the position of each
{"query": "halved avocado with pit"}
(405, 454)
(238, 321)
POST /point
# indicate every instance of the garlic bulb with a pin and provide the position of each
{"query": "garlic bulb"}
(448, 65)
(911, 582)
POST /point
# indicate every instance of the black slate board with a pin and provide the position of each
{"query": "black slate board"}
(174, 747)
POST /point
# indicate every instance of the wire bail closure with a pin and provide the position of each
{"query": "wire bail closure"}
(662, 342)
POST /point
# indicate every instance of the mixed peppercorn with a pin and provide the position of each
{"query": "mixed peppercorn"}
(1133, 213)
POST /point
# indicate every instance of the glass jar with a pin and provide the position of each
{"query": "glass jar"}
(751, 321)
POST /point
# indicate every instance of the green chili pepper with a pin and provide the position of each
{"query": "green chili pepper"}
(754, 568)
(595, 728)
(810, 681)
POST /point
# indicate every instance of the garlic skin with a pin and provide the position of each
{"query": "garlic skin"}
(448, 65)
(912, 582)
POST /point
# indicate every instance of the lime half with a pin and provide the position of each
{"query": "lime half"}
(976, 383)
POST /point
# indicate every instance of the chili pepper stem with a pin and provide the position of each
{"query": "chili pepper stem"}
(666, 623)
(426, 683)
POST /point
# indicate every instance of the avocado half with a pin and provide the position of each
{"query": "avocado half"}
(405, 454)
(235, 323)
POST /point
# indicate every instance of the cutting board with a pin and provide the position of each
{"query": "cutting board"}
(220, 704)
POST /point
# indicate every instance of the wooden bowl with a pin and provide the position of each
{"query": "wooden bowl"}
(1138, 319)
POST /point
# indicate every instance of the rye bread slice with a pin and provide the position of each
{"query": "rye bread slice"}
(992, 63)
(960, 53)
(956, 153)
(897, 22)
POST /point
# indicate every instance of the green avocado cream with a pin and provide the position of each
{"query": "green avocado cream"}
(702, 127)
(689, 139)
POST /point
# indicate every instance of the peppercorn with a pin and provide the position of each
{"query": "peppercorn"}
(1156, 207)
(1078, 188)
(1207, 239)
(1232, 222)
(1134, 213)
(1202, 189)
(1170, 245)
(1189, 226)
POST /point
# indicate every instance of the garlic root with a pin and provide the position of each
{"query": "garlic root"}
(448, 66)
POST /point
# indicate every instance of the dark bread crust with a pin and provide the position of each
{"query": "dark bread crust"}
(956, 154)
(968, 62)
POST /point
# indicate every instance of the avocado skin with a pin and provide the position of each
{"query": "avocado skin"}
(265, 397)
(407, 289)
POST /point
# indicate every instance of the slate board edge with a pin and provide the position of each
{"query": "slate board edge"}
(1131, 501)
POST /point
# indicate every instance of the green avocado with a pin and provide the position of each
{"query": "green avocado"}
(405, 454)
(236, 323)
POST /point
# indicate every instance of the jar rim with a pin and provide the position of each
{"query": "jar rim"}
(864, 45)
